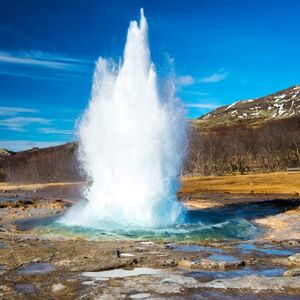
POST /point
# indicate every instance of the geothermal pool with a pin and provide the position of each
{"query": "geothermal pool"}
(232, 222)
(228, 229)
(220, 223)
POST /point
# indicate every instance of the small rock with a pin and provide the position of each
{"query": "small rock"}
(148, 243)
(254, 282)
(140, 296)
(208, 264)
(88, 282)
(126, 255)
(186, 263)
(65, 262)
(57, 287)
(294, 259)
(170, 263)
(134, 262)
(292, 272)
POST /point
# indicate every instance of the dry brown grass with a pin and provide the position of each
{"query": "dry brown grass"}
(35, 186)
(272, 183)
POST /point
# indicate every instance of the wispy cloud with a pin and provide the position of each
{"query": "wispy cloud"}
(37, 64)
(202, 105)
(187, 80)
(55, 131)
(31, 61)
(20, 123)
(194, 93)
(12, 111)
(216, 77)
(21, 145)
(41, 59)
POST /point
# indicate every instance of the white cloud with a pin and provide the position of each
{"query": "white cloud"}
(185, 80)
(19, 123)
(55, 131)
(24, 145)
(216, 77)
(202, 105)
(12, 111)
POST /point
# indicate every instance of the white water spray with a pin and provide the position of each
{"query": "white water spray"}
(131, 144)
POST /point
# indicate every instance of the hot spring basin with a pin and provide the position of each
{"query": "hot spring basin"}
(225, 223)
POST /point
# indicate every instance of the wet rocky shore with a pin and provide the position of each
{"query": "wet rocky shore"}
(35, 265)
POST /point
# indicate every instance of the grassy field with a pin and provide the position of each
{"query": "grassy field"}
(272, 183)
(35, 186)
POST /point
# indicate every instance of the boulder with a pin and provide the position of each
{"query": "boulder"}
(292, 272)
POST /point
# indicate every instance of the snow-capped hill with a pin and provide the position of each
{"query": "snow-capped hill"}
(283, 104)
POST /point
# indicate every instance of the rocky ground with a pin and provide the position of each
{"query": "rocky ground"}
(35, 265)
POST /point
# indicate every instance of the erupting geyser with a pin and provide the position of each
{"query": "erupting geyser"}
(131, 144)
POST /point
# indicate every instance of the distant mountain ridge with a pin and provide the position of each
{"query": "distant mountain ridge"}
(282, 104)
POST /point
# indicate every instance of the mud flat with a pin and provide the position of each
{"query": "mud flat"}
(41, 265)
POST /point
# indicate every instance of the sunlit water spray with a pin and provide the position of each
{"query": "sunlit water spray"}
(131, 144)
(132, 141)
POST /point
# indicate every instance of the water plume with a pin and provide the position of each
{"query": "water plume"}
(131, 143)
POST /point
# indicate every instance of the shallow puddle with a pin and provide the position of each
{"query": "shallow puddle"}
(246, 248)
(226, 258)
(212, 275)
(36, 269)
(2, 245)
(2, 269)
(25, 288)
(193, 248)
(8, 199)
(229, 295)
(121, 273)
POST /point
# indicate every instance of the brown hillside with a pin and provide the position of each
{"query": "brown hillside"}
(41, 165)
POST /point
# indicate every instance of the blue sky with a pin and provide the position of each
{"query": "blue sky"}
(223, 51)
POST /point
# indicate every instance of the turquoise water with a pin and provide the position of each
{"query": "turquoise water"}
(193, 227)
(229, 223)
(232, 229)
